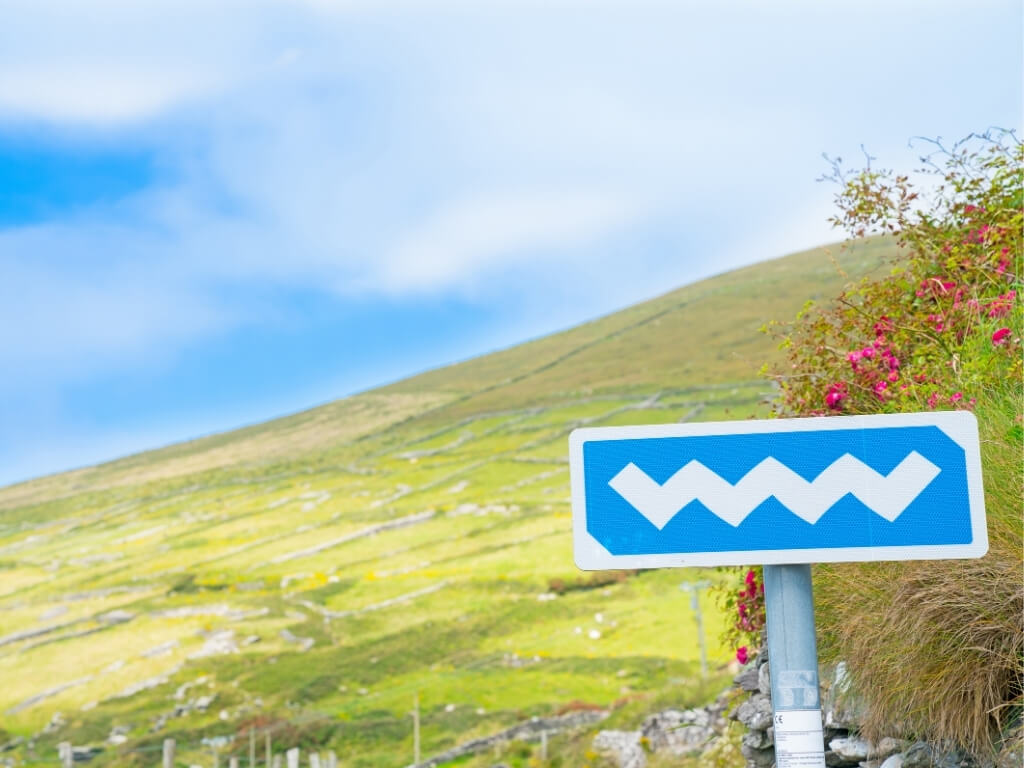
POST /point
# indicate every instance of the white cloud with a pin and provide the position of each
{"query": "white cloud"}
(111, 92)
(111, 61)
(465, 240)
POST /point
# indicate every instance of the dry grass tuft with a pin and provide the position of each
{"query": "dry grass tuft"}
(936, 648)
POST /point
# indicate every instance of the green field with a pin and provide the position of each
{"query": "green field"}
(315, 573)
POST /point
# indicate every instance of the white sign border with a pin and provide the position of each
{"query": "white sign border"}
(960, 426)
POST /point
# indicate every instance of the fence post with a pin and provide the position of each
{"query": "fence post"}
(416, 729)
(67, 757)
(168, 753)
(544, 746)
(332, 759)
(266, 744)
(252, 747)
(232, 762)
(314, 760)
(276, 763)
(293, 757)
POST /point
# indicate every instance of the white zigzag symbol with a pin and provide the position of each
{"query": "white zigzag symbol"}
(886, 495)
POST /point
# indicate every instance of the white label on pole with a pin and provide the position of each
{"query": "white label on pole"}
(799, 742)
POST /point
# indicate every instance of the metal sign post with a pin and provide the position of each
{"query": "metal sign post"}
(784, 493)
(793, 655)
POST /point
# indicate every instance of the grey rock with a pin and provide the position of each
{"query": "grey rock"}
(764, 679)
(953, 759)
(116, 616)
(893, 761)
(84, 754)
(886, 747)
(678, 732)
(755, 712)
(758, 758)
(57, 722)
(919, 755)
(870, 764)
(833, 733)
(622, 746)
(924, 755)
(832, 760)
(747, 679)
(851, 749)
(756, 740)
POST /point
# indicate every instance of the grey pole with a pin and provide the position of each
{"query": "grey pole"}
(694, 590)
(793, 660)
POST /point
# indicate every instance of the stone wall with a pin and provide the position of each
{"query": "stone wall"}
(694, 731)
(844, 748)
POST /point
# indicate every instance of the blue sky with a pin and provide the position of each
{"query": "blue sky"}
(212, 213)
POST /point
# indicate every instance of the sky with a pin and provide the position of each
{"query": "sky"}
(214, 212)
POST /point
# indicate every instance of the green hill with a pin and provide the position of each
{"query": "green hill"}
(312, 574)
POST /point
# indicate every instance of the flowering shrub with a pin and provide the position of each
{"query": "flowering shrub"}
(746, 607)
(941, 330)
(947, 320)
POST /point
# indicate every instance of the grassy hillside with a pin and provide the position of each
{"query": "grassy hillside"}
(314, 573)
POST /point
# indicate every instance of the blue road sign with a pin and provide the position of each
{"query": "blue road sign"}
(832, 489)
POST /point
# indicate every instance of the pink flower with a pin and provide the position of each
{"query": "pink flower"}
(751, 578)
(1000, 336)
(1001, 306)
(893, 376)
(833, 399)
(956, 397)
(742, 655)
(933, 400)
(867, 352)
(880, 388)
